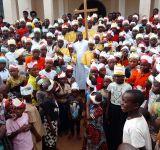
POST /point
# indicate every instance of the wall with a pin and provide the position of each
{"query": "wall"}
(55, 7)
(132, 6)
(37, 5)
(73, 4)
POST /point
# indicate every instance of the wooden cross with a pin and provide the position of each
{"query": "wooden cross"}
(86, 11)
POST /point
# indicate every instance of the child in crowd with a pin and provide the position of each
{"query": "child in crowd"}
(95, 135)
(153, 109)
(62, 99)
(48, 72)
(34, 117)
(110, 66)
(16, 80)
(4, 73)
(142, 76)
(89, 54)
(135, 131)
(100, 78)
(75, 110)
(115, 114)
(18, 127)
(33, 73)
(132, 70)
(69, 75)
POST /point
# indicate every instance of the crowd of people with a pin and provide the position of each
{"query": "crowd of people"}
(52, 77)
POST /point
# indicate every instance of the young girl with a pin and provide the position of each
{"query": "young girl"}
(153, 109)
(115, 114)
(62, 99)
(110, 66)
(49, 111)
(34, 117)
(4, 73)
(69, 75)
(18, 128)
(75, 110)
(135, 131)
(89, 54)
(132, 70)
(142, 76)
(16, 80)
(48, 71)
(100, 78)
(95, 133)
(33, 73)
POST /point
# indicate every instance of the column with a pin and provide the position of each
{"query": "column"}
(48, 10)
(24, 5)
(157, 4)
(122, 7)
(66, 8)
(10, 11)
(144, 8)
(61, 8)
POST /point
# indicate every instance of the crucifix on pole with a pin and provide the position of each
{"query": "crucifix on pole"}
(86, 11)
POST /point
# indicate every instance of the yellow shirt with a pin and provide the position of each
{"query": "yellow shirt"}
(66, 36)
(99, 47)
(87, 57)
(32, 81)
(65, 51)
(72, 36)
(91, 33)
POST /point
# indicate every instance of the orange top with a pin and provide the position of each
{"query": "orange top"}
(132, 78)
(40, 62)
(125, 62)
(141, 80)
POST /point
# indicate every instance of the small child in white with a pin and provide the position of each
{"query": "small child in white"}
(135, 131)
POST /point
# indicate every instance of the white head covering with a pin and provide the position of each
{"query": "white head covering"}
(69, 67)
(74, 86)
(119, 69)
(28, 24)
(139, 35)
(61, 75)
(14, 66)
(146, 58)
(26, 90)
(35, 20)
(11, 41)
(31, 64)
(50, 34)
(134, 55)
(36, 30)
(157, 78)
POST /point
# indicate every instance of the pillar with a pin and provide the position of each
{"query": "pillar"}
(157, 4)
(48, 10)
(121, 7)
(61, 8)
(10, 11)
(66, 8)
(24, 5)
(144, 8)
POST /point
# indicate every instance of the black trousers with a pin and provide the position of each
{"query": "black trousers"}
(75, 124)
(115, 126)
(63, 116)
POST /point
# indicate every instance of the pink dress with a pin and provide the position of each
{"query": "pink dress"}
(23, 141)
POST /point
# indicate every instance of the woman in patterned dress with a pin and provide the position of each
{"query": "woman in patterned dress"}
(96, 139)
(50, 113)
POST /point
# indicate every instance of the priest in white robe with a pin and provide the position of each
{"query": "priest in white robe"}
(80, 72)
